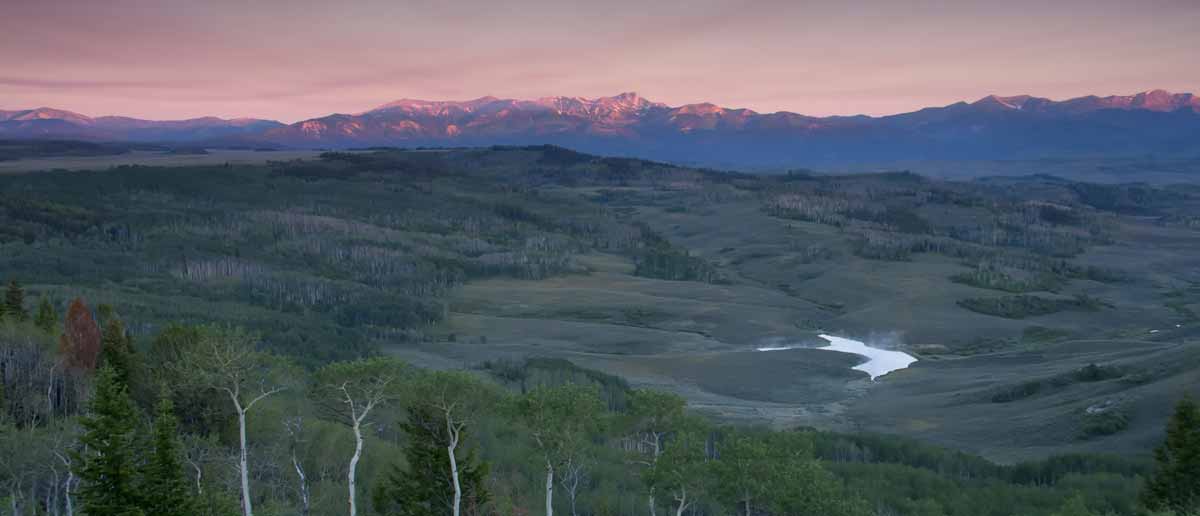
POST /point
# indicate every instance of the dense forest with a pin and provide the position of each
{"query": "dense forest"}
(217, 340)
(203, 420)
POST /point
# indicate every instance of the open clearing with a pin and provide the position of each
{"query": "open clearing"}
(697, 339)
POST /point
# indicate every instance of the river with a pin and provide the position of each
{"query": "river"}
(879, 361)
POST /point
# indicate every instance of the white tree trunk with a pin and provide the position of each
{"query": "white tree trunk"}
(570, 482)
(199, 476)
(453, 435)
(683, 503)
(305, 503)
(70, 504)
(352, 485)
(657, 450)
(243, 462)
(549, 489)
(67, 492)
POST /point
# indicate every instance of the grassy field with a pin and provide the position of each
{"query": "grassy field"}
(945, 398)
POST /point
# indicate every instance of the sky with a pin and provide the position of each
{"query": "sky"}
(296, 59)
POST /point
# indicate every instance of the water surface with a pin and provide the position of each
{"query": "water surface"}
(879, 361)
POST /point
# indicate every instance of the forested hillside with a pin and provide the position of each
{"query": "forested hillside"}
(200, 420)
(322, 336)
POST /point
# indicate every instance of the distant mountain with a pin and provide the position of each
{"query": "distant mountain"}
(57, 123)
(995, 127)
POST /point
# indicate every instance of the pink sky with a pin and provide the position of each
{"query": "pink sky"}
(297, 59)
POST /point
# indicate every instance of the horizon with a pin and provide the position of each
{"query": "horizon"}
(381, 105)
(171, 60)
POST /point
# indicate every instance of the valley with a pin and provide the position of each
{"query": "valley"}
(1009, 292)
(564, 258)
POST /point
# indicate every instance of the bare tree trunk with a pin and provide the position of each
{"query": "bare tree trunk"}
(50, 394)
(549, 489)
(657, 451)
(295, 427)
(453, 435)
(350, 475)
(748, 513)
(305, 500)
(683, 503)
(243, 461)
(67, 493)
(570, 482)
(199, 476)
(70, 505)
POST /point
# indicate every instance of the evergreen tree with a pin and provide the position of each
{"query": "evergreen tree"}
(1074, 506)
(47, 317)
(1175, 485)
(104, 313)
(107, 464)
(425, 488)
(116, 351)
(163, 479)
(14, 302)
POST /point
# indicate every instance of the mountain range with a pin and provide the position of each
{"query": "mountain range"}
(60, 124)
(1015, 127)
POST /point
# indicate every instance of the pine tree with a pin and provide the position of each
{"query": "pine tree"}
(425, 488)
(107, 464)
(1175, 485)
(47, 317)
(1074, 506)
(163, 478)
(104, 312)
(14, 302)
(116, 351)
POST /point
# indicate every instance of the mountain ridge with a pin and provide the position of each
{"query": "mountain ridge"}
(993, 127)
(45, 122)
